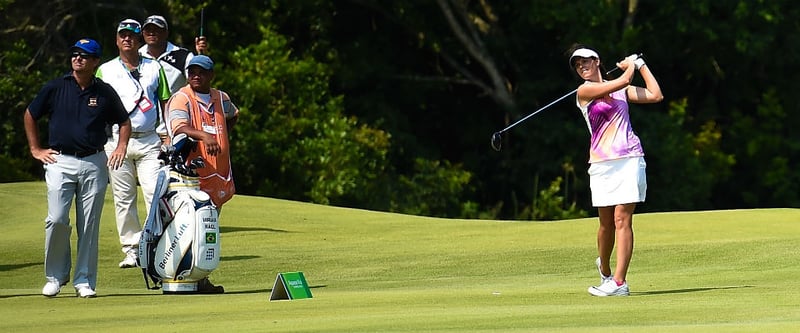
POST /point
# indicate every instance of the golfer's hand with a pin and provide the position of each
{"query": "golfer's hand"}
(116, 158)
(44, 155)
(201, 45)
(627, 62)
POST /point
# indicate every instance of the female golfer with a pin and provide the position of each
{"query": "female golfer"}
(616, 158)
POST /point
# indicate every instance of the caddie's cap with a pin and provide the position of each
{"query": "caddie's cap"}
(203, 61)
(130, 24)
(87, 45)
(158, 20)
(582, 53)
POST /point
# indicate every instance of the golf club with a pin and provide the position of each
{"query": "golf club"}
(202, 17)
(497, 139)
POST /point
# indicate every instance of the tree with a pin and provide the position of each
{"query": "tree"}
(390, 105)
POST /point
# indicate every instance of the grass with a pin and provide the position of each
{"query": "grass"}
(713, 271)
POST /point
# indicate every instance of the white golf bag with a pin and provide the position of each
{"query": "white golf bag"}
(180, 243)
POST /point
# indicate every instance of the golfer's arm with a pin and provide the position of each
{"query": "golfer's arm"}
(31, 131)
(653, 90)
(590, 91)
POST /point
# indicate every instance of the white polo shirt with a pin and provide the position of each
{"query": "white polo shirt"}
(140, 97)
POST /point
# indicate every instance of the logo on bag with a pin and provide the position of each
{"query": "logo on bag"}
(210, 254)
(172, 246)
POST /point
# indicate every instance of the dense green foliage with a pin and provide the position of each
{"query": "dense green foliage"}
(390, 105)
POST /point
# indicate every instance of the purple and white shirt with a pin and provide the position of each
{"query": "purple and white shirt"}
(609, 123)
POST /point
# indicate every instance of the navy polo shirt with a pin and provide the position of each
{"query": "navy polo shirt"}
(78, 118)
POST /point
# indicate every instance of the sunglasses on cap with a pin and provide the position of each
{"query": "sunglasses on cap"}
(83, 55)
(135, 27)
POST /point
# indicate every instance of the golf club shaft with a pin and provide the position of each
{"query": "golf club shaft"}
(546, 106)
(537, 111)
(202, 17)
(202, 23)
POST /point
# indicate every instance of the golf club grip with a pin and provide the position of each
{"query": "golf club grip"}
(616, 68)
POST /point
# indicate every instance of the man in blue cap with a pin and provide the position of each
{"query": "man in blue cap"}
(206, 115)
(79, 108)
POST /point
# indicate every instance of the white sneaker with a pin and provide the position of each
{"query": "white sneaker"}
(603, 278)
(51, 289)
(610, 288)
(85, 292)
(130, 260)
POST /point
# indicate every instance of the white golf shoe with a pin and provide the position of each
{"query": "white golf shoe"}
(610, 288)
(129, 261)
(51, 288)
(603, 278)
(85, 292)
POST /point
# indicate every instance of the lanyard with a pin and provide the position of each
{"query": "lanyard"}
(135, 77)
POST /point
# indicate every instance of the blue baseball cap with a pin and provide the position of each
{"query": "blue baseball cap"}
(89, 46)
(203, 61)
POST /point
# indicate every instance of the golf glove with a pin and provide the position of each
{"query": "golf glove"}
(639, 62)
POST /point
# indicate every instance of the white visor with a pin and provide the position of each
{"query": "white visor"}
(583, 53)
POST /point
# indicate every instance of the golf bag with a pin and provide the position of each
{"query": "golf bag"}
(180, 241)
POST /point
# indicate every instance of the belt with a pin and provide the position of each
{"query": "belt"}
(79, 154)
(137, 135)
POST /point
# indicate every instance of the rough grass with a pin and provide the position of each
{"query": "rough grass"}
(715, 271)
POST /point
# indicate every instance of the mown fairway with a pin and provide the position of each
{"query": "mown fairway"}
(720, 271)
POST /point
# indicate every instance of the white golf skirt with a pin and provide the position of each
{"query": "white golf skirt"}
(618, 182)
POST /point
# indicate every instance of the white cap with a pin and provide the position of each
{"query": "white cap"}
(582, 53)
(158, 20)
(130, 24)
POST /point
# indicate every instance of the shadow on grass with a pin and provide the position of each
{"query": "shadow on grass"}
(235, 258)
(688, 290)
(240, 229)
(65, 294)
(11, 267)
(266, 291)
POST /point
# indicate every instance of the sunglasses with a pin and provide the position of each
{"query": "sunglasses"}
(83, 55)
(130, 26)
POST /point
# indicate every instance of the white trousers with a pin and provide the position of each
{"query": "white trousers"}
(84, 179)
(142, 163)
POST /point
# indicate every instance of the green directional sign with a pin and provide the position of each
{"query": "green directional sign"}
(289, 286)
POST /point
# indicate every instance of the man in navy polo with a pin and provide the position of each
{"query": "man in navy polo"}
(79, 107)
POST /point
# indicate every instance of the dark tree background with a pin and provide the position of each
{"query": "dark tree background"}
(390, 105)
